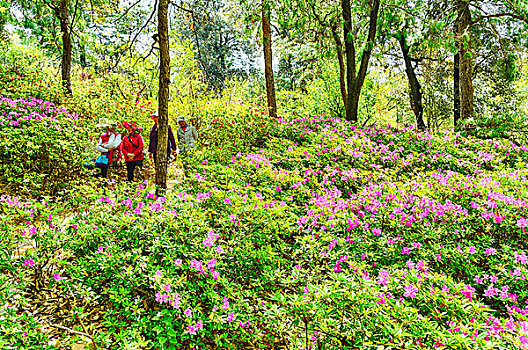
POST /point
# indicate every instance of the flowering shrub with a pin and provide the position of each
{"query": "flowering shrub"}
(325, 236)
(227, 127)
(40, 146)
(27, 72)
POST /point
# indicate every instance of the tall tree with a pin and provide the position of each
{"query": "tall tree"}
(418, 27)
(456, 90)
(62, 13)
(355, 78)
(268, 59)
(163, 98)
(60, 9)
(327, 21)
(464, 26)
(221, 50)
(414, 84)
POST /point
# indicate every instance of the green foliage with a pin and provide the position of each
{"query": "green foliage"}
(323, 93)
(306, 240)
(40, 146)
(222, 55)
(25, 72)
(228, 127)
(499, 125)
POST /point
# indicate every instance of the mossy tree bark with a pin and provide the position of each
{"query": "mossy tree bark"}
(163, 99)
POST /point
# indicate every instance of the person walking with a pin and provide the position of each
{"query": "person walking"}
(187, 135)
(132, 148)
(187, 138)
(153, 140)
(108, 144)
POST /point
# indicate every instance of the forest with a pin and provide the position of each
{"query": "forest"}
(340, 174)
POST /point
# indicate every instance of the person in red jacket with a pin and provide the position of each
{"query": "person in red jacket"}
(132, 149)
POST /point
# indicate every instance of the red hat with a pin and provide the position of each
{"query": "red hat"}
(132, 125)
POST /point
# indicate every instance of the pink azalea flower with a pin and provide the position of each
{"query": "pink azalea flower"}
(468, 292)
(490, 291)
(521, 258)
(207, 242)
(490, 251)
(29, 262)
(410, 291)
(191, 330)
(211, 263)
(188, 312)
(524, 340)
(199, 324)
(381, 300)
(522, 223)
(175, 303)
(493, 278)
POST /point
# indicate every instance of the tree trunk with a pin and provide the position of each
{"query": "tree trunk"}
(268, 60)
(163, 99)
(355, 79)
(466, 59)
(342, 73)
(350, 50)
(62, 14)
(416, 89)
(456, 91)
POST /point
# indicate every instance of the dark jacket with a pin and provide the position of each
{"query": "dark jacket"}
(153, 145)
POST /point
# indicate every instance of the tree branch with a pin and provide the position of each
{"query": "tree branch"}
(370, 40)
(143, 27)
(74, 15)
(191, 12)
(127, 10)
(498, 15)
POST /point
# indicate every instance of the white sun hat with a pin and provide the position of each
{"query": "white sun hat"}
(103, 123)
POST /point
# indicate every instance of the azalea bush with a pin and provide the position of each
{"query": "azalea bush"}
(324, 236)
(41, 146)
(229, 126)
(26, 72)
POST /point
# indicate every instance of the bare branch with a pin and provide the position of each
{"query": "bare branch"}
(498, 15)
(127, 10)
(143, 27)
(74, 15)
